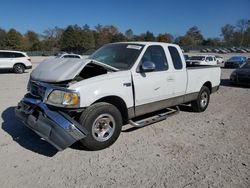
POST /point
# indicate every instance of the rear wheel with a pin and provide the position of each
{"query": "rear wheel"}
(201, 103)
(18, 68)
(104, 123)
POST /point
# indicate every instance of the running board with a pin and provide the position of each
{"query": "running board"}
(155, 118)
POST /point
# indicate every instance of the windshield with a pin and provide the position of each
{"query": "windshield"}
(121, 56)
(246, 66)
(200, 58)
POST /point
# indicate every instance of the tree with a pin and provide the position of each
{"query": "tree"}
(13, 40)
(166, 37)
(2, 38)
(242, 26)
(149, 36)
(212, 42)
(31, 41)
(129, 34)
(227, 33)
(52, 38)
(186, 40)
(195, 35)
(119, 37)
(88, 38)
(104, 34)
(71, 39)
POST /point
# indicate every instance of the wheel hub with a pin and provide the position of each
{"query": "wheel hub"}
(204, 99)
(103, 127)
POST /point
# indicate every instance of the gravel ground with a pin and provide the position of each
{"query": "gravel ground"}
(209, 149)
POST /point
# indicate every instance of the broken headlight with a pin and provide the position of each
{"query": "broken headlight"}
(62, 98)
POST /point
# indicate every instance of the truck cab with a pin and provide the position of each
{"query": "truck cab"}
(88, 100)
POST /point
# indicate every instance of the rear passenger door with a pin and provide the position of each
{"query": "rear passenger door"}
(180, 73)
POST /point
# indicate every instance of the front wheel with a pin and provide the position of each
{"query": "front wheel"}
(104, 123)
(18, 68)
(201, 103)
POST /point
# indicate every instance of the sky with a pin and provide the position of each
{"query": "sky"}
(157, 16)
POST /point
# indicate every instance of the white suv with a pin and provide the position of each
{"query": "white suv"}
(14, 60)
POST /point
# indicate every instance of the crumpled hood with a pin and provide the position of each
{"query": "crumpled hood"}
(58, 69)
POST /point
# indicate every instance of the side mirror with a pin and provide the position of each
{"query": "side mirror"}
(148, 66)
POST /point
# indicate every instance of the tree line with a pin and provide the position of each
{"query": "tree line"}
(75, 38)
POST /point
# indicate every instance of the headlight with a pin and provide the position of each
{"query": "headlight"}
(63, 98)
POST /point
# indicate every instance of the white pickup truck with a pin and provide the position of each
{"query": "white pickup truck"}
(89, 100)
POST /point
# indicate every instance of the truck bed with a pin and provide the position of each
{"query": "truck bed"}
(200, 74)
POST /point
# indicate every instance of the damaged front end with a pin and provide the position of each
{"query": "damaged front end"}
(57, 128)
(54, 125)
(51, 109)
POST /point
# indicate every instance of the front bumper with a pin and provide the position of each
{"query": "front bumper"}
(55, 127)
(28, 67)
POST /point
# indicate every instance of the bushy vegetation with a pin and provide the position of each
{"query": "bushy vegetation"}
(79, 39)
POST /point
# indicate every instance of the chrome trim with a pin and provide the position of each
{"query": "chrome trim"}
(49, 88)
(158, 105)
(56, 118)
(148, 66)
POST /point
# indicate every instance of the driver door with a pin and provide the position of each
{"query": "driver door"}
(152, 87)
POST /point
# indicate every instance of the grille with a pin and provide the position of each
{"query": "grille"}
(37, 90)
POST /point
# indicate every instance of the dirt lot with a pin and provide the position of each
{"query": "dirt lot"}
(210, 149)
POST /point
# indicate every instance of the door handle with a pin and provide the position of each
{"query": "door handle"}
(170, 79)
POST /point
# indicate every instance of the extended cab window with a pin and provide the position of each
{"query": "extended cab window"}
(175, 57)
(156, 55)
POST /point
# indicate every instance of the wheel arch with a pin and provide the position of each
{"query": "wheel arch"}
(118, 102)
(208, 84)
(19, 63)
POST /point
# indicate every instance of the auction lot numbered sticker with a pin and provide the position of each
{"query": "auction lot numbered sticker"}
(136, 47)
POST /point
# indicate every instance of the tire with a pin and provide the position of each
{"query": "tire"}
(201, 103)
(18, 68)
(104, 123)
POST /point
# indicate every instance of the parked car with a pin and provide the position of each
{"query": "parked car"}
(215, 50)
(240, 50)
(89, 100)
(186, 57)
(241, 75)
(15, 61)
(203, 50)
(235, 62)
(233, 50)
(202, 60)
(247, 49)
(208, 50)
(66, 55)
(219, 59)
(222, 51)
